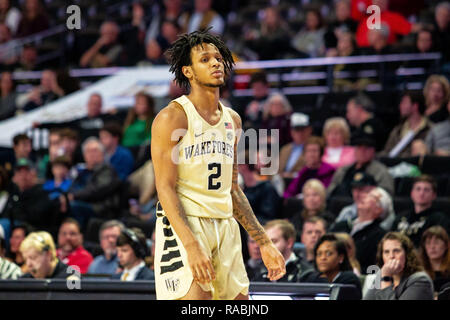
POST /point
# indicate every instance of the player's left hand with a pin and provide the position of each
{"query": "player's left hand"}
(274, 261)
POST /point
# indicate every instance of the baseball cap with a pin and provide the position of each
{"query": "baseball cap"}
(299, 119)
(363, 139)
(23, 163)
(362, 179)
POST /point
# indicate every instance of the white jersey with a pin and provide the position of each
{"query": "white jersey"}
(205, 164)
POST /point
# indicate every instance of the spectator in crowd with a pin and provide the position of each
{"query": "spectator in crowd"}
(310, 39)
(254, 265)
(276, 116)
(106, 51)
(413, 126)
(95, 192)
(312, 230)
(48, 91)
(441, 27)
(69, 145)
(314, 168)
(332, 262)
(437, 140)
(260, 192)
(10, 15)
(346, 47)
(423, 215)
(21, 149)
(39, 252)
(61, 182)
(435, 255)
(253, 113)
(28, 203)
(392, 21)
(132, 250)
(89, 125)
(436, 92)
(361, 184)
(378, 42)
(283, 235)
(18, 234)
(34, 19)
(271, 39)
(314, 205)
(364, 162)
(108, 262)
(402, 274)
(351, 251)
(424, 43)
(8, 96)
(10, 49)
(155, 48)
(170, 10)
(8, 269)
(292, 154)
(133, 35)
(118, 157)
(54, 150)
(360, 115)
(337, 137)
(202, 17)
(70, 246)
(28, 60)
(343, 23)
(138, 123)
(365, 229)
(5, 224)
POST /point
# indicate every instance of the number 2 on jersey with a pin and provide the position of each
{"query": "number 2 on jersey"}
(214, 185)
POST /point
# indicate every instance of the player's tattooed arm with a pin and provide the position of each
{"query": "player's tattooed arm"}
(243, 213)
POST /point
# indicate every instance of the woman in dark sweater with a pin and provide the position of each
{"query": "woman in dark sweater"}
(332, 261)
(435, 255)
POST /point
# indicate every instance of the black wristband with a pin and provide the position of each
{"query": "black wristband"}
(387, 279)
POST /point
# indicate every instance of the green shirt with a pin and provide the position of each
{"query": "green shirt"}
(136, 134)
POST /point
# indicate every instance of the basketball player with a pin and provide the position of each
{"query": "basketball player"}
(198, 247)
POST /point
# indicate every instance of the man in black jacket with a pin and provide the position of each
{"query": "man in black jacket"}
(283, 235)
(415, 221)
(29, 203)
(365, 229)
(95, 191)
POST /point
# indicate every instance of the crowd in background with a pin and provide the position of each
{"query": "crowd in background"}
(90, 200)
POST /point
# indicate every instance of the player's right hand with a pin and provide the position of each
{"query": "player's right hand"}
(200, 264)
(274, 261)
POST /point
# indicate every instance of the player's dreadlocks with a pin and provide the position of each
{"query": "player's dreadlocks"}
(179, 54)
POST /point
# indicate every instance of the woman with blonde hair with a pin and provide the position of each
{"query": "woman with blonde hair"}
(435, 254)
(39, 251)
(314, 204)
(336, 133)
(276, 116)
(436, 92)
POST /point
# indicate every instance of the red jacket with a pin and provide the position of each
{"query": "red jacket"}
(398, 25)
(80, 257)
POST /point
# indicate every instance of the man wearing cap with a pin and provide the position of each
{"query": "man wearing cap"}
(28, 202)
(361, 185)
(291, 160)
(365, 229)
(364, 162)
(360, 115)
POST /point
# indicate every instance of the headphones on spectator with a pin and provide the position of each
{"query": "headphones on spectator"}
(139, 249)
(45, 247)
